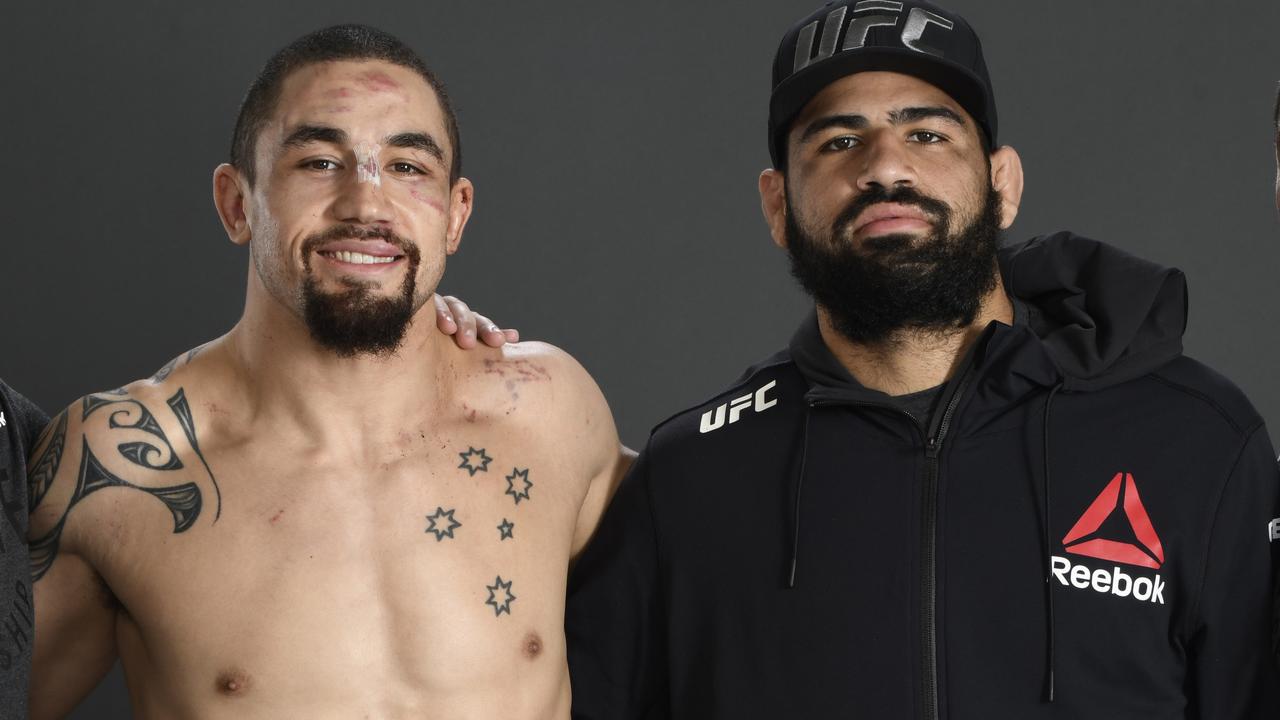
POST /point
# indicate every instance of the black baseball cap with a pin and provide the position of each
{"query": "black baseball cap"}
(912, 37)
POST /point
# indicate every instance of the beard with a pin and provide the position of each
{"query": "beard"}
(896, 282)
(355, 320)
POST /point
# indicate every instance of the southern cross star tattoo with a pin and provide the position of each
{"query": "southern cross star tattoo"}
(518, 484)
(504, 530)
(474, 461)
(507, 598)
(442, 531)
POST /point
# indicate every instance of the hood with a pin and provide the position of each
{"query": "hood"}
(1103, 316)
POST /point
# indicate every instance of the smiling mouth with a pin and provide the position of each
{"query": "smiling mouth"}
(359, 258)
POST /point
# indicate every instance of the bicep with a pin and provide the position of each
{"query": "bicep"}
(599, 493)
(606, 459)
(75, 612)
(74, 637)
(615, 625)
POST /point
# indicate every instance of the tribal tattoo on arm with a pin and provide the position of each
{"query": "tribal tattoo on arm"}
(153, 452)
(163, 373)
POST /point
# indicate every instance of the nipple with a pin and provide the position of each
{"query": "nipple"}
(233, 683)
(532, 645)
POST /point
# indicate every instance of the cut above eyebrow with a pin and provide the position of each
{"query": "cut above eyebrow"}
(418, 141)
(306, 134)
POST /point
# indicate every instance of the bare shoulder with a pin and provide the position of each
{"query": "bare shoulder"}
(112, 454)
(532, 379)
(544, 394)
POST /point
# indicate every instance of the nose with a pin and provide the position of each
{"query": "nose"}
(886, 164)
(361, 199)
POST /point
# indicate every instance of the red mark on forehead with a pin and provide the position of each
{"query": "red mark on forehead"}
(377, 81)
(338, 93)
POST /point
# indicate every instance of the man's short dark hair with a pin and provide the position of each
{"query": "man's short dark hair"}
(339, 42)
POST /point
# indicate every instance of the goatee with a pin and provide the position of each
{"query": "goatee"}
(356, 321)
(897, 282)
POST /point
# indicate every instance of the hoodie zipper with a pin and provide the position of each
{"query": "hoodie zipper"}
(929, 525)
(929, 546)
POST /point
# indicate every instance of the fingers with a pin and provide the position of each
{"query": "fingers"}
(465, 320)
(454, 317)
(490, 333)
(444, 320)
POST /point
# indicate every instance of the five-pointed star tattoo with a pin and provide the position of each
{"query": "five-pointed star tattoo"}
(505, 605)
(505, 529)
(474, 461)
(445, 531)
(518, 484)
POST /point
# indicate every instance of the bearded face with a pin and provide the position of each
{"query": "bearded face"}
(887, 283)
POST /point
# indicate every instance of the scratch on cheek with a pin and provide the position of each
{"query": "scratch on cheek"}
(426, 199)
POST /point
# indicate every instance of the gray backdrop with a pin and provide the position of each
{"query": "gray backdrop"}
(614, 149)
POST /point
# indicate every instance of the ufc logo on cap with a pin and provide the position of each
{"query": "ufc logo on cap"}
(866, 15)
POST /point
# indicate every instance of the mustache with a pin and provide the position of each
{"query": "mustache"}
(935, 209)
(348, 231)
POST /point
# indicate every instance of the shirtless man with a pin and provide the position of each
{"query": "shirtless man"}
(331, 511)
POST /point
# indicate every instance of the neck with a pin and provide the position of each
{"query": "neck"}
(912, 360)
(291, 381)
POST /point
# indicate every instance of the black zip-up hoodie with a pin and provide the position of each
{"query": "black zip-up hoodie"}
(799, 547)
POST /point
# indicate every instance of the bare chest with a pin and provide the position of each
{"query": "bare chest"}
(440, 562)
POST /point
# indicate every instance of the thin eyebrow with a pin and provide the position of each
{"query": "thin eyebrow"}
(304, 135)
(418, 141)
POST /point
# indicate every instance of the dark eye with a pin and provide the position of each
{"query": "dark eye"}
(320, 164)
(927, 138)
(844, 142)
(405, 168)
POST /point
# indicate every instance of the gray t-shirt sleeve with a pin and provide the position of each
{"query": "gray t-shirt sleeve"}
(20, 424)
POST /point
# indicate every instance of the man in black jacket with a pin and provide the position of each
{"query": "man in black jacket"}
(978, 483)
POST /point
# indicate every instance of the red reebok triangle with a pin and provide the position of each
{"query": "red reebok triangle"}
(1151, 554)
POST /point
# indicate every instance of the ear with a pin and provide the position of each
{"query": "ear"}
(773, 203)
(1006, 180)
(229, 190)
(461, 200)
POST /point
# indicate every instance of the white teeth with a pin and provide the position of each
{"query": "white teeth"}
(359, 258)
